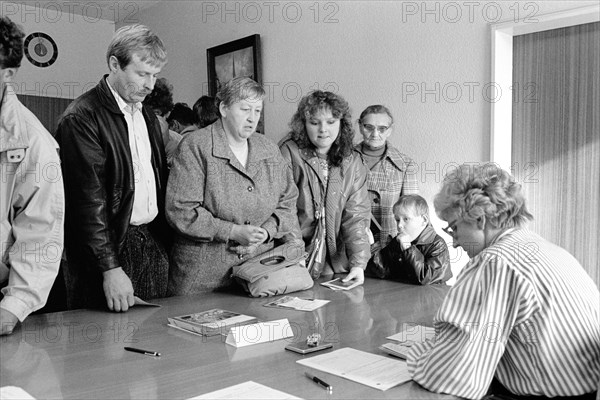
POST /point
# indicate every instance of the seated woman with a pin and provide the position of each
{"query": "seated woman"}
(230, 194)
(523, 310)
(391, 174)
(332, 177)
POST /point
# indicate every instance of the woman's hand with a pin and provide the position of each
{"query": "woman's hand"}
(248, 235)
(245, 251)
(357, 274)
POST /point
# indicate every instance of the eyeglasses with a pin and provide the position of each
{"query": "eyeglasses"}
(381, 129)
(451, 228)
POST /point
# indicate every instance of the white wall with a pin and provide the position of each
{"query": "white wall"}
(429, 62)
(81, 39)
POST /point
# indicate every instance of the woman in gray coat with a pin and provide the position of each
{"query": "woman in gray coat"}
(230, 194)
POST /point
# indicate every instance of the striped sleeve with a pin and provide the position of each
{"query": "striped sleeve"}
(471, 330)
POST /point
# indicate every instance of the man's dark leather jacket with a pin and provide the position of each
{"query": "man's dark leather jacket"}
(99, 178)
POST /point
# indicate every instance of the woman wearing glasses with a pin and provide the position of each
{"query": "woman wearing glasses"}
(332, 184)
(391, 174)
(522, 311)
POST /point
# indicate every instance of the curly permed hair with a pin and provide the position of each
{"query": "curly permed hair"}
(472, 191)
(11, 44)
(309, 106)
(161, 98)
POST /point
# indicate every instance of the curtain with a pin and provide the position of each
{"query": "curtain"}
(556, 136)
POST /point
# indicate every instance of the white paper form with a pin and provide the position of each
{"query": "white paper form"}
(369, 369)
(246, 390)
(297, 303)
(262, 332)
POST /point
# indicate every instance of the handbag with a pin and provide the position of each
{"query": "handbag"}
(316, 249)
(277, 271)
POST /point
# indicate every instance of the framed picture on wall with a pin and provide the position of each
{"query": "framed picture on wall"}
(230, 60)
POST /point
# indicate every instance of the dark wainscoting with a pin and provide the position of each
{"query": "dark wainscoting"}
(47, 109)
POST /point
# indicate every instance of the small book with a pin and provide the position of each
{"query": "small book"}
(337, 284)
(396, 349)
(211, 322)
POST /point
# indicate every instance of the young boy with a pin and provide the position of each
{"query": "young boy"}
(417, 255)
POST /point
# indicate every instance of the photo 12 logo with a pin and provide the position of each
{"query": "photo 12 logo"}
(68, 11)
(454, 92)
(270, 11)
(453, 12)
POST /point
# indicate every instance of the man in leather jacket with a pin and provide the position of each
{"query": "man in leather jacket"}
(115, 172)
(417, 255)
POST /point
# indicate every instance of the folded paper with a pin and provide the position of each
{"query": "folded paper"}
(262, 332)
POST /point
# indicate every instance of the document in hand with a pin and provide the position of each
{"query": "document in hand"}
(337, 284)
(211, 322)
(139, 302)
(369, 369)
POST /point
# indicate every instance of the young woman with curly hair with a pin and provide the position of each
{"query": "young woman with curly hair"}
(332, 184)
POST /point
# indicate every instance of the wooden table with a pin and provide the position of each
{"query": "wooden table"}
(79, 354)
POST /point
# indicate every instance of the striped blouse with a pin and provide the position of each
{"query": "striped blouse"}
(523, 310)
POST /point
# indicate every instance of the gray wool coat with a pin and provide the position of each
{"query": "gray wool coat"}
(209, 191)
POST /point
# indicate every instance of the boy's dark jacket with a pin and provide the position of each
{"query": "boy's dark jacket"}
(427, 261)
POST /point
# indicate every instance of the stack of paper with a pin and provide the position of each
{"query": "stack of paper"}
(395, 349)
(406, 338)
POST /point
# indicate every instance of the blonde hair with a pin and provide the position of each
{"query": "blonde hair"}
(136, 39)
(413, 201)
(473, 191)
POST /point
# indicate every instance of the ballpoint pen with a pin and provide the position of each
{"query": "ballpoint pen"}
(146, 352)
(320, 382)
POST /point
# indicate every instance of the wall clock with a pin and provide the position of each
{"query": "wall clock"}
(40, 49)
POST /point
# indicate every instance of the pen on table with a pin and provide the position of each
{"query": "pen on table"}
(319, 382)
(146, 352)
